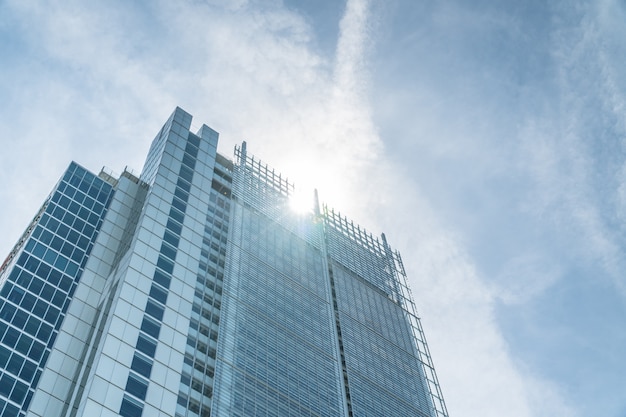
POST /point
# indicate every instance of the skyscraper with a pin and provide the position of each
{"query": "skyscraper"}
(193, 290)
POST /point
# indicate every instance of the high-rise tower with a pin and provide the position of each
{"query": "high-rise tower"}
(193, 290)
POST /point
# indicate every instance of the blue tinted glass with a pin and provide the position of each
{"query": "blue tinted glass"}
(165, 264)
(130, 408)
(23, 345)
(36, 351)
(180, 205)
(161, 278)
(145, 345)
(183, 184)
(28, 301)
(48, 292)
(168, 251)
(40, 308)
(32, 325)
(183, 195)
(6, 384)
(177, 215)
(192, 140)
(189, 161)
(186, 173)
(10, 338)
(35, 285)
(154, 310)
(7, 311)
(150, 327)
(19, 392)
(15, 364)
(158, 294)
(55, 277)
(28, 371)
(44, 332)
(172, 225)
(136, 387)
(65, 283)
(67, 249)
(19, 320)
(171, 238)
(58, 298)
(141, 365)
(10, 410)
(4, 355)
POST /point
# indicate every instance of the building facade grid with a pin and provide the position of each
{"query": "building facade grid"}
(193, 290)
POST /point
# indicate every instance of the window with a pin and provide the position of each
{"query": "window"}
(186, 173)
(15, 364)
(10, 338)
(161, 278)
(171, 238)
(184, 185)
(189, 161)
(36, 351)
(137, 386)
(174, 227)
(19, 392)
(141, 365)
(183, 195)
(165, 264)
(158, 294)
(180, 205)
(150, 327)
(130, 407)
(177, 215)
(168, 251)
(28, 371)
(145, 345)
(154, 310)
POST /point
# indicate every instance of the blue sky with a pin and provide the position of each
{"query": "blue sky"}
(485, 138)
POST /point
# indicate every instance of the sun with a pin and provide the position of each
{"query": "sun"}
(301, 201)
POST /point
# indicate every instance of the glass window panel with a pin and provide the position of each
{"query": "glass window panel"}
(130, 408)
(4, 355)
(19, 392)
(10, 338)
(7, 311)
(162, 278)
(150, 327)
(165, 264)
(177, 215)
(36, 351)
(6, 384)
(171, 238)
(19, 320)
(28, 302)
(145, 345)
(158, 294)
(183, 195)
(186, 173)
(15, 364)
(28, 370)
(154, 310)
(136, 386)
(173, 225)
(168, 251)
(180, 205)
(141, 365)
(183, 184)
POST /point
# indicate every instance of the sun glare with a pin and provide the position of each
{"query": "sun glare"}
(301, 202)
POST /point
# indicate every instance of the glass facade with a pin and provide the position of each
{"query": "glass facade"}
(193, 290)
(38, 285)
